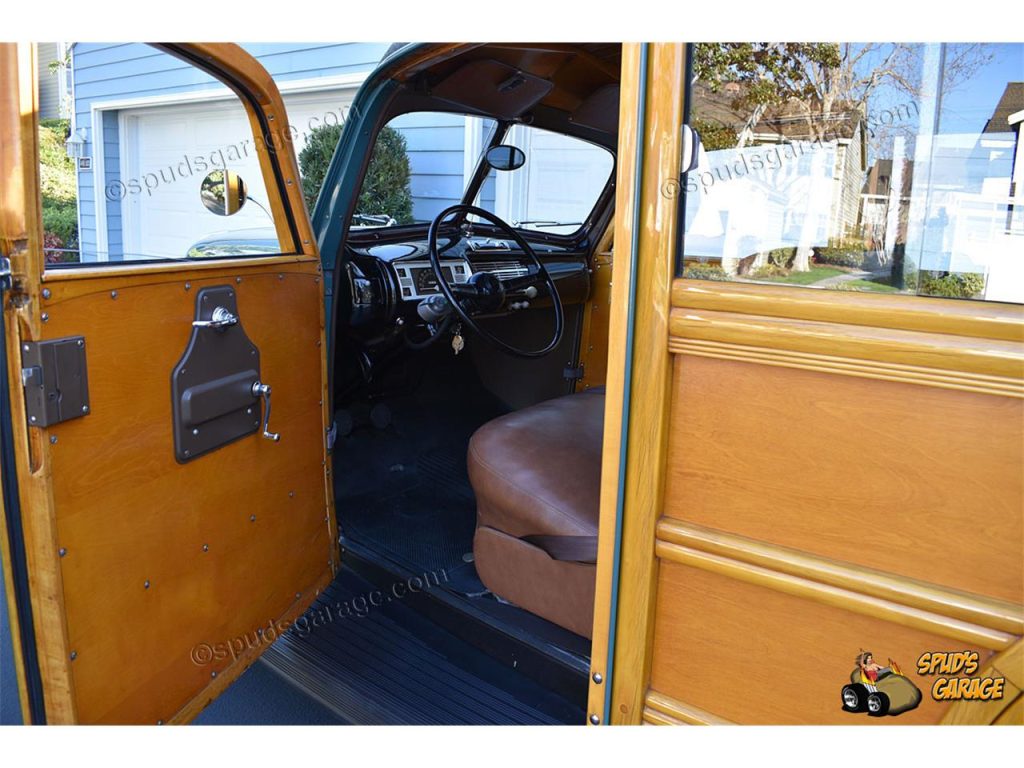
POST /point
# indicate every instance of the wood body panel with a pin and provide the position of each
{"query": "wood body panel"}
(705, 652)
(916, 481)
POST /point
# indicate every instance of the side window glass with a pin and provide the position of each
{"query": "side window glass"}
(883, 167)
(144, 157)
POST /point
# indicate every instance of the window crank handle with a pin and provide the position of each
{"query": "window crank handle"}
(221, 318)
(260, 389)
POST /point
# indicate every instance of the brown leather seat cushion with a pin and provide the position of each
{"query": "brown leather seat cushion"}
(538, 471)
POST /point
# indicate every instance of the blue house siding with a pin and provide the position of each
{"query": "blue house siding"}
(107, 72)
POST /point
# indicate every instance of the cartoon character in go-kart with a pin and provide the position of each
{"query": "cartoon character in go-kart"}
(879, 690)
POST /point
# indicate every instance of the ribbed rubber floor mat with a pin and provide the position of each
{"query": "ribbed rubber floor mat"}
(390, 665)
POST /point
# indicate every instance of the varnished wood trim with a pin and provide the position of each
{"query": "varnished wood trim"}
(1013, 714)
(660, 709)
(837, 597)
(907, 374)
(22, 237)
(983, 320)
(1008, 664)
(651, 365)
(975, 609)
(1001, 359)
(126, 269)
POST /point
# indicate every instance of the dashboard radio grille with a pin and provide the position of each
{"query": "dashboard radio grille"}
(503, 269)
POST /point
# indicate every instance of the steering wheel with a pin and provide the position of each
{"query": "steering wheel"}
(485, 293)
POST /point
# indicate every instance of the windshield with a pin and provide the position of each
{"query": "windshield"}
(424, 162)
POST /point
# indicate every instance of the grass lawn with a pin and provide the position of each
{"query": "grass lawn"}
(870, 285)
(813, 275)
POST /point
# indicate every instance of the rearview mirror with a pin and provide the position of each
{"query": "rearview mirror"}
(505, 157)
(223, 192)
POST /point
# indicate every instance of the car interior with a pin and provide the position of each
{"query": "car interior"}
(467, 436)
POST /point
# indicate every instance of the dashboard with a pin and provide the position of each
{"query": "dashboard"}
(387, 280)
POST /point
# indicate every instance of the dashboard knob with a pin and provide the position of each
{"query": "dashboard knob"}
(531, 292)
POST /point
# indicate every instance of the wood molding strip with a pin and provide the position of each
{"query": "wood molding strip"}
(987, 357)
(837, 597)
(978, 319)
(1010, 665)
(907, 374)
(987, 612)
(660, 709)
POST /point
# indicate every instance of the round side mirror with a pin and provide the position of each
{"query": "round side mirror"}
(505, 157)
(223, 192)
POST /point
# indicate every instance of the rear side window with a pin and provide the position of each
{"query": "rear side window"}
(882, 167)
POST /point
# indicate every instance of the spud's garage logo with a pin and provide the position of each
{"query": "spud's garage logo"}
(879, 690)
(954, 681)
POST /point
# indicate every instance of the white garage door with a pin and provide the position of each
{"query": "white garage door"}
(167, 151)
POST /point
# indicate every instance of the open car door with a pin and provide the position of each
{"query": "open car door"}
(157, 534)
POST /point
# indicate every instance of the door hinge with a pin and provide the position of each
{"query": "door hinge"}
(55, 379)
(573, 373)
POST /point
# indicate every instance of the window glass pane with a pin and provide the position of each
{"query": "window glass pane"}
(420, 165)
(144, 157)
(424, 162)
(880, 167)
(556, 188)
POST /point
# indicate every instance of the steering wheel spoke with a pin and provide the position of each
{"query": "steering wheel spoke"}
(522, 281)
(485, 292)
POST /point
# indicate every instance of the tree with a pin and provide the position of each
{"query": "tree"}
(385, 190)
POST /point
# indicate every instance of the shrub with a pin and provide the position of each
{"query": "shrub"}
(782, 258)
(951, 285)
(770, 270)
(57, 184)
(705, 272)
(386, 185)
(840, 255)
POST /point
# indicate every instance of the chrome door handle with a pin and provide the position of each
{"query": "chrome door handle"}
(221, 318)
(260, 389)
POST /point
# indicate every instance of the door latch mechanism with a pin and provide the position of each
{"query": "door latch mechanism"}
(259, 389)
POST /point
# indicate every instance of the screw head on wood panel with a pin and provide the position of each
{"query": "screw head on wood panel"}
(53, 439)
(597, 678)
(595, 720)
(113, 294)
(238, 279)
(62, 551)
(206, 547)
(74, 655)
(188, 286)
(45, 317)
(146, 584)
(252, 518)
(213, 674)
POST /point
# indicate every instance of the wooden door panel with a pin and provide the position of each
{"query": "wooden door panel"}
(219, 544)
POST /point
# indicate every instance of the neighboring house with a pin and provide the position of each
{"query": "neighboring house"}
(793, 183)
(54, 98)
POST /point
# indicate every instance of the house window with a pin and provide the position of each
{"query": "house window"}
(882, 167)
